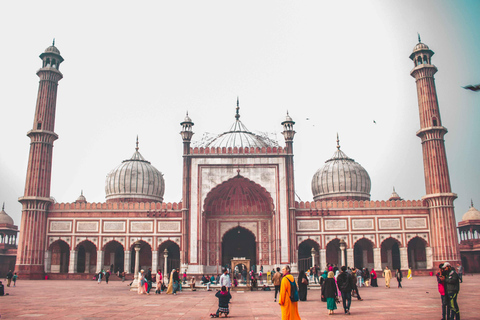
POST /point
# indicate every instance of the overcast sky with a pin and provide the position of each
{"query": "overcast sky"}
(135, 68)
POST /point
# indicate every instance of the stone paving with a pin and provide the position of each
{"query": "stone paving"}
(55, 299)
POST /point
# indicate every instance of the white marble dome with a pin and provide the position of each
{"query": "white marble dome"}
(471, 214)
(341, 178)
(134, 179)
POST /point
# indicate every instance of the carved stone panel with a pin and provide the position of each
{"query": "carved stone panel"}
(114, 226)
(389, 224)
(362, 224)
(168, 226)
(87, 226)
(141, 226)
(60, 226)
(308, 225)
(415, 223)
(339, 224)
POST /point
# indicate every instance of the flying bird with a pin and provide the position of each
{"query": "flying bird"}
(374, 122)
(473, 88)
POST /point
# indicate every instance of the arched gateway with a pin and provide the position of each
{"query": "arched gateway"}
(238, 220)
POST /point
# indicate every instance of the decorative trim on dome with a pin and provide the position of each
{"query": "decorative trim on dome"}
(238, 136)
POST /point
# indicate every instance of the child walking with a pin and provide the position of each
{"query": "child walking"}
(223, 300)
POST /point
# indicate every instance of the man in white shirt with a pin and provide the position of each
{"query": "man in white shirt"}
(225, 280)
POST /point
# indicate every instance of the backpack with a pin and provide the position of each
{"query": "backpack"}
(293, 291)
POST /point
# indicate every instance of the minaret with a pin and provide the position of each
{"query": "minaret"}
(288, 134)
(439, 196)
(187, 134)
(36, 199)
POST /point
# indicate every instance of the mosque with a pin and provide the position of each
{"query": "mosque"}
(238, 204)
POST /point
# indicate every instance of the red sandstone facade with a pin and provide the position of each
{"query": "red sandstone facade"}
(238, 201)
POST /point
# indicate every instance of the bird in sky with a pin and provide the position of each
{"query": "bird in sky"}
(473, 88)
(374, 122)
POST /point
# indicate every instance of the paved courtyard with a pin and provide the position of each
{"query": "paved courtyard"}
(55, 299)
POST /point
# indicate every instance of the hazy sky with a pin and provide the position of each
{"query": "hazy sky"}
(136, 67)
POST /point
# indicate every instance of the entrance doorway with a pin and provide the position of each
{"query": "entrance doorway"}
(239, 243)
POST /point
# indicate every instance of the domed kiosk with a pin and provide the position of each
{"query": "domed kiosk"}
(341, 178)
(135, 180)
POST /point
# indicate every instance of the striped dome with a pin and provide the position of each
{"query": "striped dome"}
(341, 178)
(134, 180)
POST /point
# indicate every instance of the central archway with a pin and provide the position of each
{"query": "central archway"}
(238, 211)
(238, 243)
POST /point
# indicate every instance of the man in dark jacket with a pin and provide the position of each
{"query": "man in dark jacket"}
(452, 287)
(9, 277)
(176, 280)
(345, 284)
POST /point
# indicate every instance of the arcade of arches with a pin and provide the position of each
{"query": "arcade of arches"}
(239, 219)
(364, 254)
(87, 259)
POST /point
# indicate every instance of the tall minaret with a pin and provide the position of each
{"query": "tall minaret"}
(439, 197)
(187, 134)
(288, 134)
(35, 202)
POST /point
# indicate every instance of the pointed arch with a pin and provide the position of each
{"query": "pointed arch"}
(60, 256)
(239, 196)
(417, 255)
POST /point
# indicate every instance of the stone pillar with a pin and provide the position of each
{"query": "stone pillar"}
(313, 257)
(87, 262)
(342, 257)
(323, 259)
(350, 257)
(127, 261)
(365, 258)
(165, 256)
(99, 260)
(403, 258)
(72, 265)
(154, 261)
(48, 261)
(429, 254)
(377, 259)
(137, 263)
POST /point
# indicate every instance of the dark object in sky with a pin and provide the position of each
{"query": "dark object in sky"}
(473, 88)
(374, 122)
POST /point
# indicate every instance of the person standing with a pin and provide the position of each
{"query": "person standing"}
(373, 276)
(176, 279)
(452, 286)
(141, 282)
(387, 274)
(441, 290)
(9, 278)
(409, 274)
(316, 271)
(399, 277)
(459, 272)
(355, 286)
(170, 283)
(329, 293)
(345, 284)
(100, 274)
(225, 280)
(289, 307)
(302, 286)
(107, 276)
(277, 278)
(14, 278)
(185, 276)
(148, 278)
(158, 282)
(244, 275)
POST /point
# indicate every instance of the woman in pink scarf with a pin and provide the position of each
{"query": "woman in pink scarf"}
(159, 280)
(373, 275)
